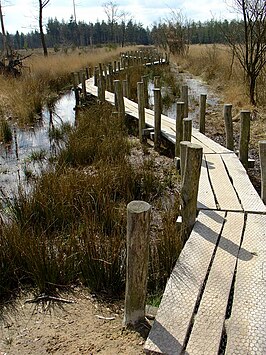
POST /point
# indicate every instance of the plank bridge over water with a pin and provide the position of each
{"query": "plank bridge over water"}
(215, 299)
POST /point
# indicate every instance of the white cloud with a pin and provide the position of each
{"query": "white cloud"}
(22, 16)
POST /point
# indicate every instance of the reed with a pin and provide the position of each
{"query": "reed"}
(72, 227)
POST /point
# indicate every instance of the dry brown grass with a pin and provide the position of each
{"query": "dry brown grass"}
(214, 63)
(43, 78)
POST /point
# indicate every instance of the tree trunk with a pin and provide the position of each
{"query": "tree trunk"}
(252, 87)
(45, 52)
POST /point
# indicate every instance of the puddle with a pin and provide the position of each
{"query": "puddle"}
(196, 87)
(15, 162)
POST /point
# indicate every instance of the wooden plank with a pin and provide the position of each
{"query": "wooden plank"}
(247, 194)
(246, 328)
(208, 324)
(222, 186)
(217, 148)
(206, 198)
(175, 313)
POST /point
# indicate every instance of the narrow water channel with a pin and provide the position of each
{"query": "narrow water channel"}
(16, 161)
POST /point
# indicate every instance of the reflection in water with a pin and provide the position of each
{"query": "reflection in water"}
(16, 163)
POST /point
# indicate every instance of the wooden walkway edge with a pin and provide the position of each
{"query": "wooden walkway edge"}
(215, 299)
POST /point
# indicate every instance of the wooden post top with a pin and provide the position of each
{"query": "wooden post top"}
(138, 206)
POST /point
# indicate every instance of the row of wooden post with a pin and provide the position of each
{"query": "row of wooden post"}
(138, 227)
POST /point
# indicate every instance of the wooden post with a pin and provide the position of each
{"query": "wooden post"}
(83, 82)
(141, 109)
(96, 75)
(244, 137)
(190, 185)
(138, 227)
(144, 78)
(101, 88)
(202, 112)
(100, 69)
(128, 90)
(87, 73)
(76, 89)
(90, 72)
(262, 152)
(183, 154)
(187, 129)
(157, 118)
(157, 82)
(125, 88)
(119, 98)
(184, 98)
(228, 126)
(111, 81)
(179, 127)
(119, 67)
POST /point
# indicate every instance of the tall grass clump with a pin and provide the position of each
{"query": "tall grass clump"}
(43, 78)
(5, 132)
(71, 228)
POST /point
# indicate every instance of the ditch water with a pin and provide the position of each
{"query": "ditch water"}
(195, 88)
(19, 161)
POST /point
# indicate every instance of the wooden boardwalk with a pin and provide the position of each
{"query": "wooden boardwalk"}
(215, 299)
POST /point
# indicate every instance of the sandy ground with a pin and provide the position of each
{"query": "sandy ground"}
(85, 326)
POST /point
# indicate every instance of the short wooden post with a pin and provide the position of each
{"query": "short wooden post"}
(90, 72)
(87, 73)
(125, 88)
(105, 71)
(179, 127)
(101, 88)
(144, 79)
(187, 129)
(262, 153)
(141, 109)
(157, 82)
(96, 75)
(115, 67)
(244, 137)
(138, 228)
(202, 112)
(119, 98)
(190, 185)
(157, 118)
(228, 126)
(111, 81)
(119, 67)
(184, 98)
(83, 83)
(183, 154)
(100, 69)
(128, 90)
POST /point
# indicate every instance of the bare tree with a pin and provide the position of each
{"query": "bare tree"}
(114, 15)
(42, 4)
(173, 34)
(248, 42)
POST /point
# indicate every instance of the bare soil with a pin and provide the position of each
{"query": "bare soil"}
(89, 325)
(86, 326)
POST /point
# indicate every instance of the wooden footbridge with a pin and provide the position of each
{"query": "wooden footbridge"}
(215, 299)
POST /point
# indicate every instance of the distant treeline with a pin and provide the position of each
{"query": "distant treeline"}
(66, 34)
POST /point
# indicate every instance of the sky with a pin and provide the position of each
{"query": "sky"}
(22, 15)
